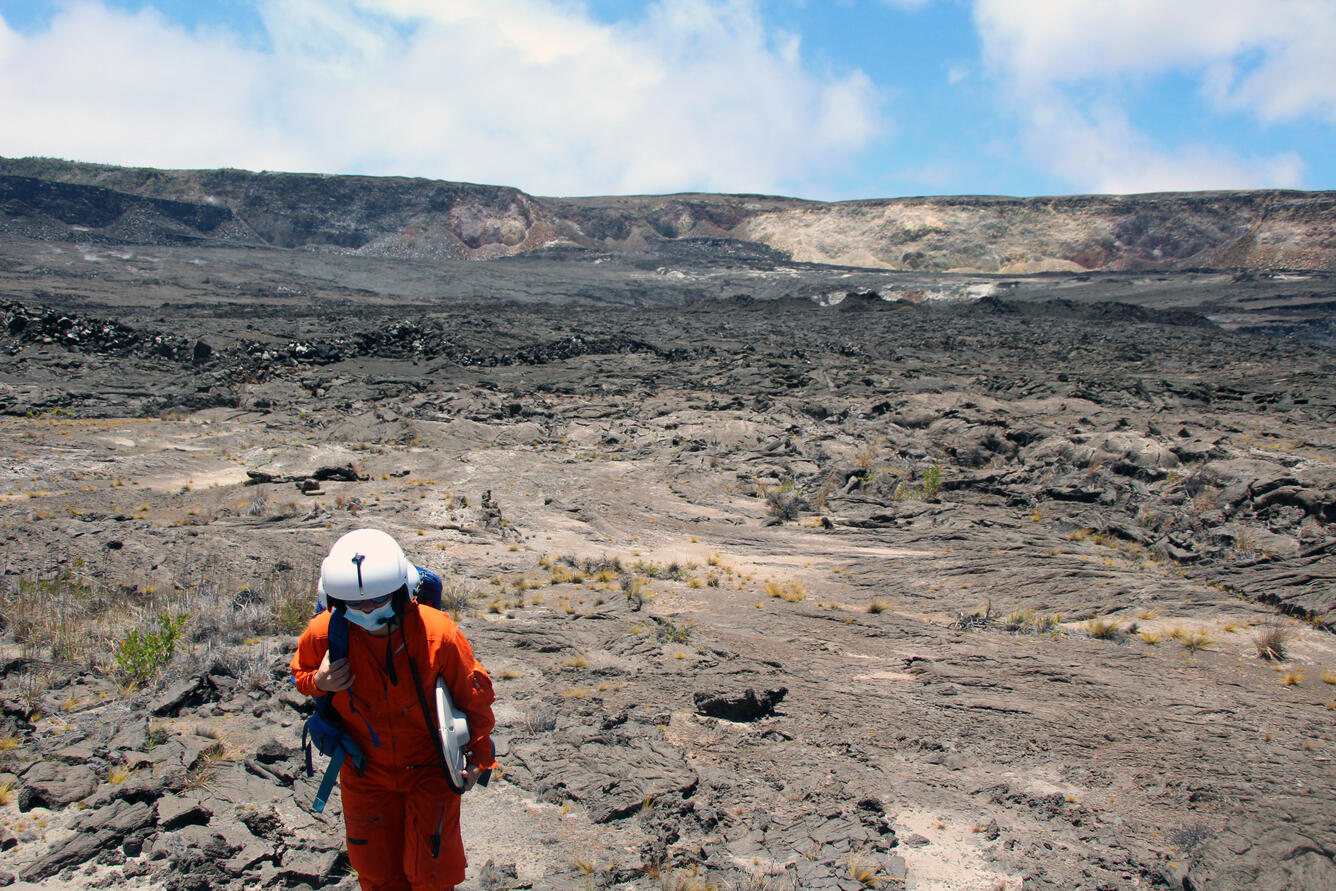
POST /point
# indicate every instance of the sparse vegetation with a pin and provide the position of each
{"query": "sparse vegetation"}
(790, 592)
(688, 878)
(867, 871)
(1194, 640)
(1271, 640)
(786, 503)
(932, 480)
(204, 775)
(292, 609)
(1027, 621)
(143, 654)
(457, 596)
(677, 632)
(1103, 628)
(980, 617)
(633, 586)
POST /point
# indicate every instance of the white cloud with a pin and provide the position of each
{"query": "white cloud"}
(1273, 58)
(695, 95)
(1103, 153)
(9, 41)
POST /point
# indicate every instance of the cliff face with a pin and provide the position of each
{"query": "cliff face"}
(429, 219)
(1213, 230)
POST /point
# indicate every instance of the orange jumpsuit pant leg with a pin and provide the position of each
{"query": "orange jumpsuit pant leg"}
(390, 834)
(432, 810)
(374, 821)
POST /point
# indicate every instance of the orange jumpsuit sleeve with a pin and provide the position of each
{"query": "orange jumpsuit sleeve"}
(472, 691)
(311, 649)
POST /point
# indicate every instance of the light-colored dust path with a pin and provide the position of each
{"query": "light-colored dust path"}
(954, 858)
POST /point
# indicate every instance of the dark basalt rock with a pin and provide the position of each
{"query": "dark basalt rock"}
(52, 785)
(742, 707)
(75, 850)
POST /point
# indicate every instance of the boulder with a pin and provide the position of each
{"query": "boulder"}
(120, 817)
(73, 851)
(51, 785)
(272, 751)
(177, 811)
(181, 695)
(310, 866)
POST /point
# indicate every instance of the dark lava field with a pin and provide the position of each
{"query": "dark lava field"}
(789, 576)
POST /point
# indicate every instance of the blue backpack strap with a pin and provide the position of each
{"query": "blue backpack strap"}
(327, 782)
(323, 731)
(338, 649)
(429, 589)
(338, 634)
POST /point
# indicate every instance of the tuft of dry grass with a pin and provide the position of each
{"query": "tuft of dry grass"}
(457, 596)
(633, 586)
(1270, 641)
(1103, 628)
(203, 775)
(1293, 677)
(790, 592)
(1329, 677)
(686, 879)
(866, 871)
(1150, 637)
(878, 606)
(1194, 640)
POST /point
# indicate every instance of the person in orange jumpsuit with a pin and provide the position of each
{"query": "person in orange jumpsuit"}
(401, 816)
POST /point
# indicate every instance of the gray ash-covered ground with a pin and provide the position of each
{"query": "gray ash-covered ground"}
(1008, 560)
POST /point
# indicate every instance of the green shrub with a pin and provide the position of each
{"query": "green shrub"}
(292, 610)
(143, 654)
(932, 480)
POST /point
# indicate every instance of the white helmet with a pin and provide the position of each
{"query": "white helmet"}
(363, 565)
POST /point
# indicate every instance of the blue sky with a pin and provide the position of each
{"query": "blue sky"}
(829, 100)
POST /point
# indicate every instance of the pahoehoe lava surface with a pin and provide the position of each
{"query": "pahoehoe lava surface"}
(789, 576)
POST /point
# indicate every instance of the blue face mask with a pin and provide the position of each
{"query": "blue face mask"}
(373, 620)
